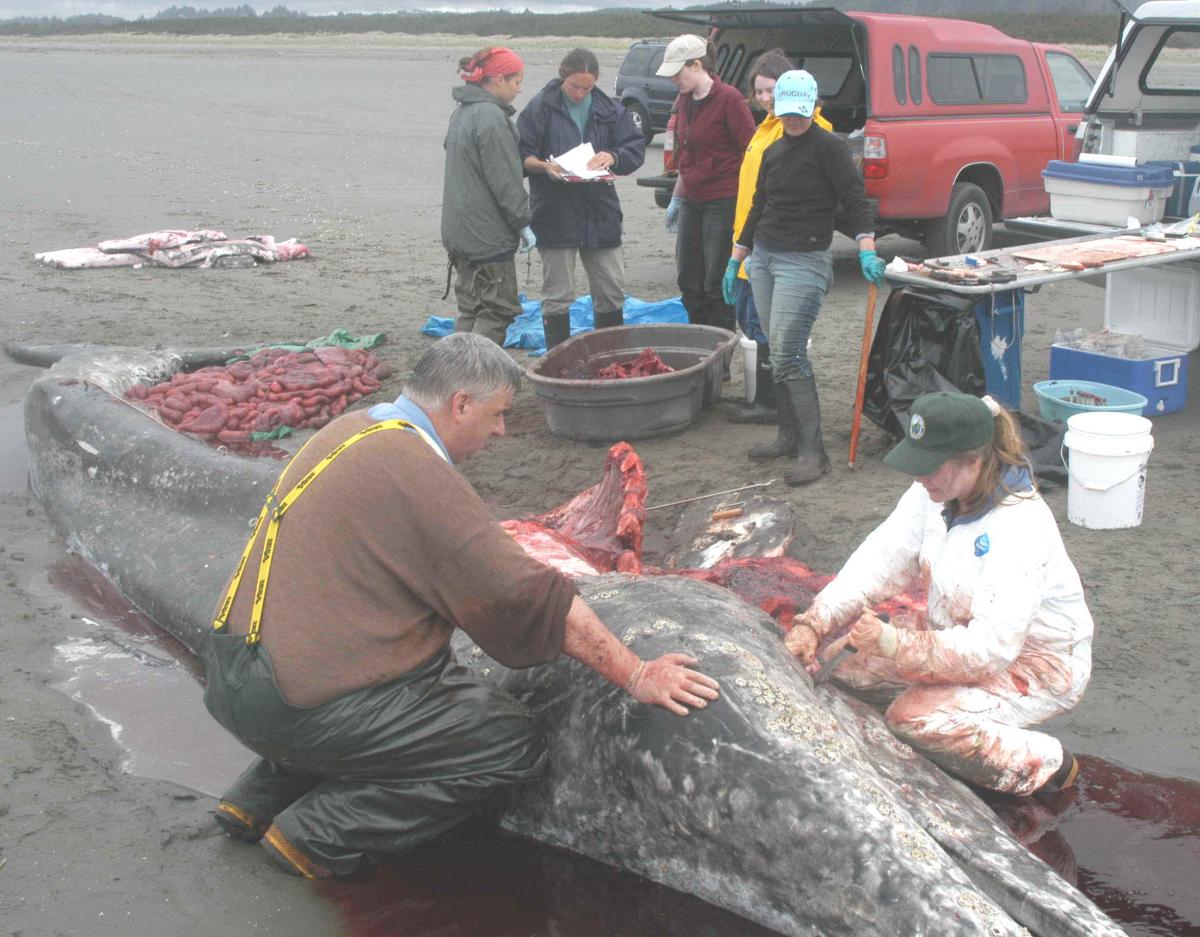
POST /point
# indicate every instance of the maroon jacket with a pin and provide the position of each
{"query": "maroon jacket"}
(710, 140)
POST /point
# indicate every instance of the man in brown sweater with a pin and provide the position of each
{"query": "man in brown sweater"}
(371, 737)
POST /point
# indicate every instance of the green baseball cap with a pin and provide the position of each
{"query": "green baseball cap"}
(941, 425)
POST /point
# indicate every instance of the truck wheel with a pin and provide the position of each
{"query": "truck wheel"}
(641, 119)
(967, 227)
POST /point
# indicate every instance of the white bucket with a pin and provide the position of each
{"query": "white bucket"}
(750, 353)
(1109, 454)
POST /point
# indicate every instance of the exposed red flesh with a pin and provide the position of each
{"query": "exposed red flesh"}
(602, 524)
(646, 364)
(224, 404)
(602, 527)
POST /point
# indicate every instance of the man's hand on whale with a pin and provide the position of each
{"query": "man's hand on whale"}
(666, 681)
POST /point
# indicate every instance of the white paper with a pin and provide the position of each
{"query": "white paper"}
(1105, 160)
(574, 162)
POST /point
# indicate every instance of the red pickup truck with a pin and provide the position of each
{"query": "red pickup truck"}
(951, 121)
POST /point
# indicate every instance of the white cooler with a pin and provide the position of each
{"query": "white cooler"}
(1098, 193)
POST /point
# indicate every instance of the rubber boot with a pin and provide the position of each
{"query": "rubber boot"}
(762, 408)
(609, 318)
(557, 329)
(787, 441)
(806, 410)
(1062, 779)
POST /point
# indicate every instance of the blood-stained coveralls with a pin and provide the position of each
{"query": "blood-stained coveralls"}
(1007, 642)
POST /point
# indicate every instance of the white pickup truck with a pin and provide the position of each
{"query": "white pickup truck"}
(1145, 103)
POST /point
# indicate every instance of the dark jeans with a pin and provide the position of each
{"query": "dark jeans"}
(702, 250)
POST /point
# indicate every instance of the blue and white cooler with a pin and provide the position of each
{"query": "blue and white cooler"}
(1107, 192)
(1162, 305)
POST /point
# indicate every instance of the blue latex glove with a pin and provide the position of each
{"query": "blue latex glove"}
(528, 240)
(872, 267)
(729, 281)
(673, 214)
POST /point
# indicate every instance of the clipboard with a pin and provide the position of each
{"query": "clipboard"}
(607, 177)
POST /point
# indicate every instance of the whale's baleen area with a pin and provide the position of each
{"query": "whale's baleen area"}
(792, 806)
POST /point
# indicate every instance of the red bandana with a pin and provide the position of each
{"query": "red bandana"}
(495, 63)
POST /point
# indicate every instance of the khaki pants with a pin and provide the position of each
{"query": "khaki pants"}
(605, 268)
(487, 298)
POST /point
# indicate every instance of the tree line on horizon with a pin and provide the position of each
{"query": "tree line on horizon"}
(1021, 19)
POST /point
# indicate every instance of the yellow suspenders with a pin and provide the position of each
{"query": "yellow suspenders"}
(275, 509)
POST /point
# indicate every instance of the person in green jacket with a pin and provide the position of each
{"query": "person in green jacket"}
(485, 209)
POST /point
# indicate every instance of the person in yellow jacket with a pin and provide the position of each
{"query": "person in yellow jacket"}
(736, 284)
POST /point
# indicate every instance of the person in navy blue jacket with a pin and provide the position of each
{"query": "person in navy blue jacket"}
(578, 219)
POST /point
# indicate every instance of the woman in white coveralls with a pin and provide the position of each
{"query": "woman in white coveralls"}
(1007, 639)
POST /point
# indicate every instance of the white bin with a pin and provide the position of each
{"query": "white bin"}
(1107, 471)
(750, 356)
(1098, 193)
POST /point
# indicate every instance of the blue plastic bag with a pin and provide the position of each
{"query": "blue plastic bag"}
(526, 329)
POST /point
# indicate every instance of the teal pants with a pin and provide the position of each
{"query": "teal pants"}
(377, 771)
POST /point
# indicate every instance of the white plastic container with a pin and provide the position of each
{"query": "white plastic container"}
(750, 357)
(1110, 452)
(1105, 194)
(1100, 204)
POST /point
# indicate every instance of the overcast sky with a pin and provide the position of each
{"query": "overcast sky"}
(132, 9)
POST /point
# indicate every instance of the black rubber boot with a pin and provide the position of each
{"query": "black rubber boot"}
(239, 824)
(557, 329)
(1064, 777)
(806, 409)
(610, 318)
(762, 408)
(787, 441)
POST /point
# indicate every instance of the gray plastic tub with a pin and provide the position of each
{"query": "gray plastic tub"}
(634, 408)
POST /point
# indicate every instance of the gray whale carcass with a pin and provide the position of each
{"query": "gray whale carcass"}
(794, 806)
(790, 805)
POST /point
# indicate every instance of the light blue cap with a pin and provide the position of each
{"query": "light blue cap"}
(795, 93)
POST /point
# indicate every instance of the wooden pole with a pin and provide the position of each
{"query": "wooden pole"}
(868, 329)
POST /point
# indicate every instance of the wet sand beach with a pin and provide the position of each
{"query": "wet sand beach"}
(338, 141)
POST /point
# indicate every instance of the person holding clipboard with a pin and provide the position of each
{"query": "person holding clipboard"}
(573, 218)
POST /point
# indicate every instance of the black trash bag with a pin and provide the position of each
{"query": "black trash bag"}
(1044, 441)
(925, 342)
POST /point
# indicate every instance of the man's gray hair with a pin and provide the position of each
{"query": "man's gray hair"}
(461, 361)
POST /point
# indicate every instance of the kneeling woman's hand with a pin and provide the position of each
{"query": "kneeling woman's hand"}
(802, 641)
(872, 635)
